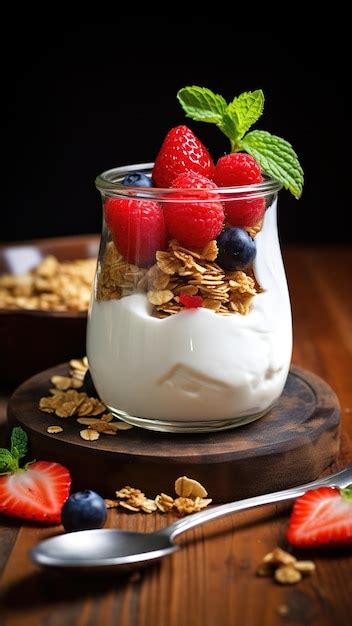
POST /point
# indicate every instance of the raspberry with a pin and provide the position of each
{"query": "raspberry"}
(192, 223)
(236, 169)
(137, 228)
(181, 151)
(190, 302)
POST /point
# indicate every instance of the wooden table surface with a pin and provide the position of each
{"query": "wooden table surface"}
(211, 581)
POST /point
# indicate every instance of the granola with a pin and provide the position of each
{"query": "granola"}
(51, 286)
(135, 500)
(179, 270)
(284, 567)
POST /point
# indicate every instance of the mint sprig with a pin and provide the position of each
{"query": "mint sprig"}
(275, 156)
(9, 459)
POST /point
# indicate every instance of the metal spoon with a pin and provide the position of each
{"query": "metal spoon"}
(110, 549)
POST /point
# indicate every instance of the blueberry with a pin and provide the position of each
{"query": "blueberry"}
(236, 249)
(137, 180)
(83, 510)
(89, 387)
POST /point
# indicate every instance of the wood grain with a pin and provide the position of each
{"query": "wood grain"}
(211, 581)
(292, 444)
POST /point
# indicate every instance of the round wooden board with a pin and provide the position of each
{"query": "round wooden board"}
(290, 445)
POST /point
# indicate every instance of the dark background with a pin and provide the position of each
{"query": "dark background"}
(82, 98)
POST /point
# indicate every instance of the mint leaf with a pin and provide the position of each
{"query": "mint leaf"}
(245, 110)
(202, 104)
(6, 460)
(346, 493)
(277, 159)
(229, 128)
(19, 441)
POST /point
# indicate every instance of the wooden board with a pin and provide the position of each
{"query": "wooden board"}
(290, 445)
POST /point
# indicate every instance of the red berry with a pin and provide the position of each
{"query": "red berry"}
(191, 302)
(36, 494)
(320, 517)
(192, 223)
(137, 228)
(181, 151)
(237, 169)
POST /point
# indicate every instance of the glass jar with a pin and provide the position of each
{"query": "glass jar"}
(176, 341)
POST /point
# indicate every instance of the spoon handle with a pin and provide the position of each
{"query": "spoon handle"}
(340, 479)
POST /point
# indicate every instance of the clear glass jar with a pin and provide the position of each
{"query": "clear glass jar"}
(175, 342)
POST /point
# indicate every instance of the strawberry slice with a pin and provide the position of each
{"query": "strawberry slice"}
(36, 494)
(322, 517)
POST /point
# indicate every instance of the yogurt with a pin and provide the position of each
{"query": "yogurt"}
(196, 365)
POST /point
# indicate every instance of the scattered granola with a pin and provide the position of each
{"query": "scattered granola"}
(111, 504)
(189, 488)
(66, 402)
(188, 505)
(179, 270)
(71, 402)
(284, 567)
(89, 434)
(65, 382)
(54, 430)
(51, 286)
(135, 500)
(164, 502)
(79, 368)
(287, 575)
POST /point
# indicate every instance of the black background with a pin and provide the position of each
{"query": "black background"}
(82, 98)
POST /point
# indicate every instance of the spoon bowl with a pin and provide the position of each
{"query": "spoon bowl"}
(108, 549)
(103, 550)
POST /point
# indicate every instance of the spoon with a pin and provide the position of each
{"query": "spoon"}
(110, 549)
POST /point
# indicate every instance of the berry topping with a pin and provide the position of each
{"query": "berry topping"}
(37, 491)
(237, 249)
(83, 510)
(180, 152)
(321, 517)
(137, 228)
(236, 169)
(194, 223)
(190, 302)
(137, 180)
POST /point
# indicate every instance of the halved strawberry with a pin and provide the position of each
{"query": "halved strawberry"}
(322, 517)
(36, 493)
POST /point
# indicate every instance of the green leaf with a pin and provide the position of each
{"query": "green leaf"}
(19, 441)
(229, 128)
(346, 493)
(6, 460)
(245, 110)
(202, 104)
(277, 159)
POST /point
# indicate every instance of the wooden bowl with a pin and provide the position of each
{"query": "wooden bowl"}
(31, 341)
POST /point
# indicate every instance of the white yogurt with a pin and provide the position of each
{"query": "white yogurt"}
(196, 365)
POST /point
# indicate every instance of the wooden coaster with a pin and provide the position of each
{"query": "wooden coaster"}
(290, 445)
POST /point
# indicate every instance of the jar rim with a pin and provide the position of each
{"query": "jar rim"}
(108, 183)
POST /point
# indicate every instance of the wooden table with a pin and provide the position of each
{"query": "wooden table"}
(211, 581)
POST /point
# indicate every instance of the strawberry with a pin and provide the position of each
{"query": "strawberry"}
(322, 517)
(181, 152)
(194, 223)
(36, 492)
(190, 302)
(137, 228)
(237, 169)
